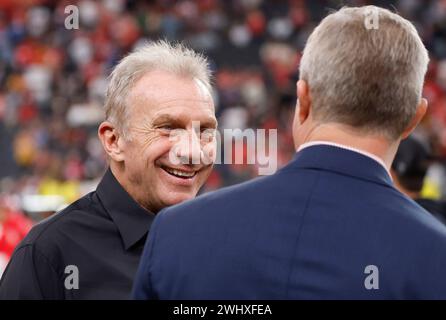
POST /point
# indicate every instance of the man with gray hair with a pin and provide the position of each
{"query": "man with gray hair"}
(91, 249)
(330, 224)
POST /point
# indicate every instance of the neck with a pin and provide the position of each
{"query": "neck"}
(377, 145)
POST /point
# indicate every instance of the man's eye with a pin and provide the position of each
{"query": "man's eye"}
(208, 134)
(166, 127)
(210, 131)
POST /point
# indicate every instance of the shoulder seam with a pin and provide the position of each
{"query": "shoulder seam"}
(319, 170)
(61, 214)
(34, 247)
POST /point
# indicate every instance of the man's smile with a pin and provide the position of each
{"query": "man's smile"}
(180, 173)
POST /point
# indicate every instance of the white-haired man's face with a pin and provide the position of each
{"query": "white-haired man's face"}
(161, 162)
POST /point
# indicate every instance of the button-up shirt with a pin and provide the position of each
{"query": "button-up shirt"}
(89, 250)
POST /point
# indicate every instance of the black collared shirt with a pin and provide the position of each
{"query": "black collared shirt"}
(90, 250)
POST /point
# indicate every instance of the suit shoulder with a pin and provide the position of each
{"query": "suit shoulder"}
(422, 223)
(226, 195)
(251, 196)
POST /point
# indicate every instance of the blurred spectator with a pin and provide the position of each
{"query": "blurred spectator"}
(409, 170)
(13, 228)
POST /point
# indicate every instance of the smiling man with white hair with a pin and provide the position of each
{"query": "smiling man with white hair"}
(91, 249)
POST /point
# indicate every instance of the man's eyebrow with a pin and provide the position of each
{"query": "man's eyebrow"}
(166, 118)
(209, 123)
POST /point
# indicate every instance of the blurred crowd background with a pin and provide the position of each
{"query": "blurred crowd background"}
(53, 80)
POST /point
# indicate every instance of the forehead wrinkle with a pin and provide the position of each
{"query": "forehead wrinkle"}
(162, 107)
(160, 91)
(155, 94)
(172, 114)
(199, 101)
(145, 122)
(153, 102)
(136, 100)
(149, 105)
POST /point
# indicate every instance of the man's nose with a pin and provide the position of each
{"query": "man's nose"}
(189, 148)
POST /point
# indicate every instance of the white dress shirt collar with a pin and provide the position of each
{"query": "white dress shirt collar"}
(342, 146)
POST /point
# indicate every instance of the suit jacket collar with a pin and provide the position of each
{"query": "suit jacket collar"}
(132, 220)
(343, 161)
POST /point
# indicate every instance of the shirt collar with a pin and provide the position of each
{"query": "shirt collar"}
(342, 146)
(132, 220)
(329, 157)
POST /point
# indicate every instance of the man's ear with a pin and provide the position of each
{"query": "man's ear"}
(111, 141)
(419, 114)
(304, 101)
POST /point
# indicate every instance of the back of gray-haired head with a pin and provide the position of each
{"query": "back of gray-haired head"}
(365, 68)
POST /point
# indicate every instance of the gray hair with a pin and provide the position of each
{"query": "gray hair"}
(370, 79)
(161, 55)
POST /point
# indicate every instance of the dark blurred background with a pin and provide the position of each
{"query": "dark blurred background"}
(53, 80)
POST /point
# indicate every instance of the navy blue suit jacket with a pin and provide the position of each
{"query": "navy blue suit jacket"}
(307, 232)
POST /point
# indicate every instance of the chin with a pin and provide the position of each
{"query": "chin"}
(178, 198)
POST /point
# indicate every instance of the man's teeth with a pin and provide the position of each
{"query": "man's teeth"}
(180, 173)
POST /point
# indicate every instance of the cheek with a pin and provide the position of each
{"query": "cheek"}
(152, 147)
(210, 152)
(204, 174)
